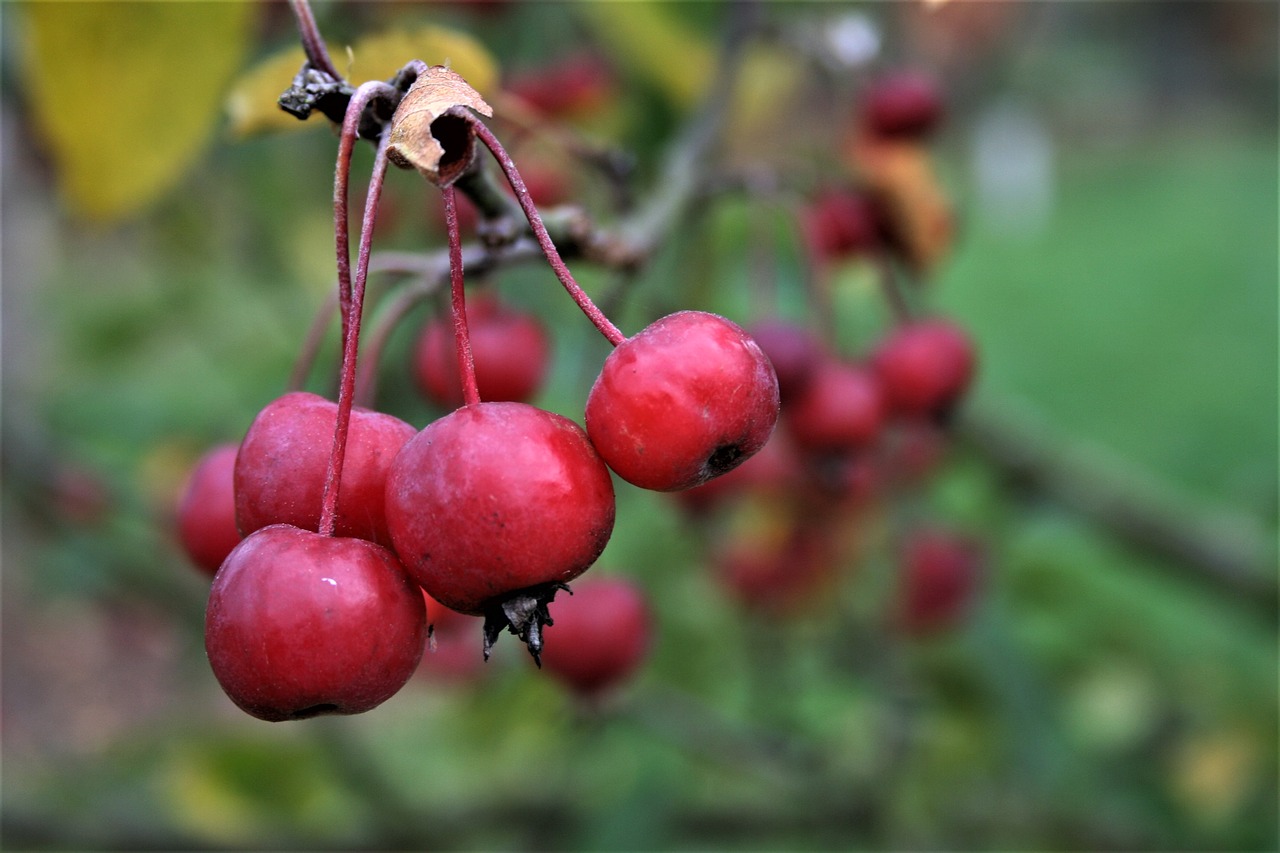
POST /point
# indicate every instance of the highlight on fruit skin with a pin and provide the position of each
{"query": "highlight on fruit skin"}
(690, 397)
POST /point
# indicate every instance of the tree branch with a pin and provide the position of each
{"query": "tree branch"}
(1230, 553)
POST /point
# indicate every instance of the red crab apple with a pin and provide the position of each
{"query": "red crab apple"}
(902, 105)
(843, 222)
(688, 398)
(600, 636)
(510, 348)
(842, 410)
(494, 507)
(940, 573)
(300, 624)
(284, 458)
(207, 509)
(794, 351)
(925, 367)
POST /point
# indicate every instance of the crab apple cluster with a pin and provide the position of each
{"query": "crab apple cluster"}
(364, 536)
(855, 435)
(856, 432)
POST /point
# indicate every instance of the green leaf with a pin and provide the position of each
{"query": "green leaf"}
(125, 95)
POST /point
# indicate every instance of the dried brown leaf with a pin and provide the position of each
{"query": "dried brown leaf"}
(424, 134)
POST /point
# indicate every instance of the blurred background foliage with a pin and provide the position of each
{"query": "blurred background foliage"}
(1115, 171)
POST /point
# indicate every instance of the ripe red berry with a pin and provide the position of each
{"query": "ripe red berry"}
(843, 222)
(207, 509)
(794, 351)
(600, 636)
(925, 367)
(940, 573)
(841, 411)
(687, 399)
(510, 348)
(299, 624)
(495, 499)
(903, 105)
(284, 459)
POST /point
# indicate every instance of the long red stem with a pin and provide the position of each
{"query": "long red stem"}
(341, 194)
(354, 293)
(458, 302)
(594, 314)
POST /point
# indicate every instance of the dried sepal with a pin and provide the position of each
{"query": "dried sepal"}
(427, 132)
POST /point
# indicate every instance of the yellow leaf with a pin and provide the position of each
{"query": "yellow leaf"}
(125, 95)
(252, 106)
(647, 40)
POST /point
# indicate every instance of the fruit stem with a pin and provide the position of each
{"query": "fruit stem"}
(594, 314)
(458, 301)
(354, 293)
(346, 145)
(893, 290)
(312, 42)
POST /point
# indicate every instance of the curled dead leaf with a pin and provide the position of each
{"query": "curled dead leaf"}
(427, 134)
(920, 215)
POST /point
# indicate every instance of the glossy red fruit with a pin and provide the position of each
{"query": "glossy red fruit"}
(794, 351)
(925, 367)
(902, 105)
(207, 509)
(510, 348)
(284, 458)
(497, 498)
(941, 571)
(843, 222)
(300, 625)
(841, 411)
(600, 637)
(690, 397)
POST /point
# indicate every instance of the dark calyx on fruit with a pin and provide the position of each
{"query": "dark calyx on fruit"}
(523, 613)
